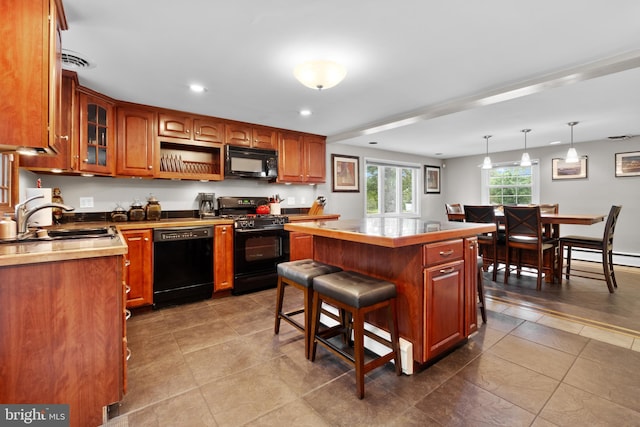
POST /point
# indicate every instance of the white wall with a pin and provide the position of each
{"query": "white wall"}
(596, 194)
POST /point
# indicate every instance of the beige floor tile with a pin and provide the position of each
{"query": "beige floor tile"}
(551, 337)
(562, 324)
(204, 335)
(610, 337)
(539, 358)
(570, 406)
(636, 344)
(523, 313)
(187, 409)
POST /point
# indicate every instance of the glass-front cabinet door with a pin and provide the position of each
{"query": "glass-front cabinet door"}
(97, 149)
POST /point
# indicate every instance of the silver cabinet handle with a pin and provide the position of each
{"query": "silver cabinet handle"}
(446, 253)
(128, 353)
(127, 314)
(127, 288)
(447, 270)
(127, 263)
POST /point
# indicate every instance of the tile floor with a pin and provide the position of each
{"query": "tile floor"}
(218, 363)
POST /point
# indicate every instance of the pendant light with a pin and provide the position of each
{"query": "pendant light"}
(572, 154)
(486, 164)
(525, 160)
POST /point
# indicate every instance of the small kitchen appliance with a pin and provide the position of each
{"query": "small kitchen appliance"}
(206, 206)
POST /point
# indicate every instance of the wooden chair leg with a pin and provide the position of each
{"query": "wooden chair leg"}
(495, 262)
(483, 312)
(279, 301)
(315, 325)
(568, 270)
(358, 349)
(613, 274)
(608, 271)
(308, 302)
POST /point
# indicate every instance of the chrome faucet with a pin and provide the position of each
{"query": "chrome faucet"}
(23, 215)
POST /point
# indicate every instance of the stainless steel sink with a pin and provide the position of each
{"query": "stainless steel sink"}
(66, 234)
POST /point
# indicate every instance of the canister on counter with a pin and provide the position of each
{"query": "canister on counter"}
(153, 209)
(136, 211)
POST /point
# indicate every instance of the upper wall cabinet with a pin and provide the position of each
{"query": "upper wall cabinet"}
(301, 158)
(30, 60)
(97, 139)
(246, 135)
(136, 140)
(196, 128)
(66, 157)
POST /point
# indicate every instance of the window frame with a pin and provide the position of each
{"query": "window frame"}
(535, 181)
(416, 188)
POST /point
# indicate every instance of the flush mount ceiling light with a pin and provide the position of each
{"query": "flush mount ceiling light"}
(525, 160)
(305, 112)
(320, 74)
(486, 164)
(572, 154)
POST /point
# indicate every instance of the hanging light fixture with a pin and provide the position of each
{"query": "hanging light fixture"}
(572, 154)
(486, 164)
(525, 160)
(320, 74)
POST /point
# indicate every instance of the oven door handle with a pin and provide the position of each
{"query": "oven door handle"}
(258, 230)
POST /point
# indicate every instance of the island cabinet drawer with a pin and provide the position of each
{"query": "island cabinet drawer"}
(440, 252)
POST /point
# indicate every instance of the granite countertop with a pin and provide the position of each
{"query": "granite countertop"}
(391, 232)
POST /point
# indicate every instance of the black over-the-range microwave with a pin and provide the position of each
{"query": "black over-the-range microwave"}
(255, 163)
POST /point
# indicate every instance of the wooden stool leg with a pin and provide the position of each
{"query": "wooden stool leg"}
(395, 337)
(358, 349)
(315, 325)
(308, 302)
(483, 312)
(279, 300)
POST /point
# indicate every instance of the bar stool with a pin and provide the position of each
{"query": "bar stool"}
(300, 275)
(357, 295)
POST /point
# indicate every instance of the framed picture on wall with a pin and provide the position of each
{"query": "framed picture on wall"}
(431, 179)
(562, 170)
(345, 173)
(628, 164)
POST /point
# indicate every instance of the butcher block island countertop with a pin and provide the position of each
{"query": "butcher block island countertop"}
(434, 267)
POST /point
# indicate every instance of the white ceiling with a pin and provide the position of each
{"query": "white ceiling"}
(424, 76)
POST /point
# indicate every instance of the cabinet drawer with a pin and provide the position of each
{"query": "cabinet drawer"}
(437, 253)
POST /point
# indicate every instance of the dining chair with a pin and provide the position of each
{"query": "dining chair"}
(488, 242)
(454, 208)
(549, 208)
(524, 233)
(604, 245)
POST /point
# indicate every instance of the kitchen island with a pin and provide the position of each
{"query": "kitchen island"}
(433, 264)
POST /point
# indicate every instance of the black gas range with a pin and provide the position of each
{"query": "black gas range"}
(260, 243)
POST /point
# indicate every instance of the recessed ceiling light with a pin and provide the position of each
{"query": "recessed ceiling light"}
(555, 142)
(373, 142)
(305, 112)
(197, 88)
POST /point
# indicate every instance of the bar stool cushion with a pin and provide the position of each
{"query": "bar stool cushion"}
(354, 289)
(303, 271)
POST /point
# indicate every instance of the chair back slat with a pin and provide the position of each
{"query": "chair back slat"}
(610, 227)
(523, 221)
(483, 214)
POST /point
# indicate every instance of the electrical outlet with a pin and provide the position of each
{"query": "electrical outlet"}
(86, 202)
(303, 201)
(291, 201)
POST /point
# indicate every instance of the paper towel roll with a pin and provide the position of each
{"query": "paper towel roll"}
(43, 217)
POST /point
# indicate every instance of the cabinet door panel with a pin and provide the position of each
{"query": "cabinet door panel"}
(208, 130)
(139, 274)
(315, 162)
(97, 150)
(300, 246)
(223, 258)
(174, 125)
(444, 303)
(264, 138)
(135, 142)
(290, 164)
(238, 134)
(471, 283)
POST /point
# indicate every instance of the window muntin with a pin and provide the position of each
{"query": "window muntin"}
(511, 185)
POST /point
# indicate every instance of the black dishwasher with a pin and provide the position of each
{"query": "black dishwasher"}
(182, 265)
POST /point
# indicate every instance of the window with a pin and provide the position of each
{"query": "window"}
(8, 181)
(510, 185)
(392, 189)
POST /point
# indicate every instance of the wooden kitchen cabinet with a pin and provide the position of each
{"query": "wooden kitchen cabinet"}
(246, 135)
(300, 246)
(191, 127)
(66, 146)
(444, 296)
(223, 257)
(301, 158)
(139, 272)
(61, 335)
(136, 140)
(97, 128)
(31, 64)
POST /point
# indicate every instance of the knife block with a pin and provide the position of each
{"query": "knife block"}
(316, 209)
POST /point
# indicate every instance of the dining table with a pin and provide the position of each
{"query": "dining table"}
(551, 223)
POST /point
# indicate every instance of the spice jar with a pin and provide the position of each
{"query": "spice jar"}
(119, 214)
(136, 212)
(153, 209)
(7, 228)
